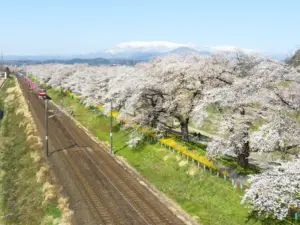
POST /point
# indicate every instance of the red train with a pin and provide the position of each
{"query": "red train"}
(36, 88)
(42, 93)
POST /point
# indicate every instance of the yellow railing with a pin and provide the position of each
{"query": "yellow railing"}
(191, 153)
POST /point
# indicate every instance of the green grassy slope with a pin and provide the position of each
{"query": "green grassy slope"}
(21, 196)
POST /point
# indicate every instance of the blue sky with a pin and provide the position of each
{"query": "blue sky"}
(83, 26)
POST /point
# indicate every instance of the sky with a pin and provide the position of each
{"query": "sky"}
(84, 26)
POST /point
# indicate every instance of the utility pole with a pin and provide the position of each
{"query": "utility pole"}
(46, 126)
(111, 147)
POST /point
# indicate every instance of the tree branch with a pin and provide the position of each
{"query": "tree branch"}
(284, 101)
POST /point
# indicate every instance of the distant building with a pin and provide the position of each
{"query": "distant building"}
(3, 75)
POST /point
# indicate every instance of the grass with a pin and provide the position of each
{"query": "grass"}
(285, 83)
(228, 161)
(21, 196)
(52, 211)
(258, 122)
(209, 127)
(231, 163)
(209, 199)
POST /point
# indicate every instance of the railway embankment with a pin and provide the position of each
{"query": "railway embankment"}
(27, 191)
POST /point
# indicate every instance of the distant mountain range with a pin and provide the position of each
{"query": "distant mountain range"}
(295, 59)
(128, 53)
(95, 61)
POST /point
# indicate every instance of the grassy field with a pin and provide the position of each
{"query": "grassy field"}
(209, 199)
(21, 195)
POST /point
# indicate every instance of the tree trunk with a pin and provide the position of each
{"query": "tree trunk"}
(242, 158)
(185, 129)
(154, 120)
(283, 154)
(243, 161)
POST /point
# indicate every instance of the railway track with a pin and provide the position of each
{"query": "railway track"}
(136, 195)
(98, 211)
(133, 192)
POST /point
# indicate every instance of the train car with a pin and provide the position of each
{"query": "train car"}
(42, 94)
(35, 88)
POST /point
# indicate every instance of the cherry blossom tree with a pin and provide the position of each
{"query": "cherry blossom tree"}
(234, 139)
(178, 84)
(287, 94)
(276, 191)
(280, 134)
(254, 94)
(174, 87)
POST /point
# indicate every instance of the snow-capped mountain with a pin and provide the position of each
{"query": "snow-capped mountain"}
(142, 46)
(140, 50)
(145, 50)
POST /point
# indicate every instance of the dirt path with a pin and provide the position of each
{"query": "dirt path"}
(100, 190)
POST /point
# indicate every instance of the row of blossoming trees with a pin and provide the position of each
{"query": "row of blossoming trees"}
(258, 100)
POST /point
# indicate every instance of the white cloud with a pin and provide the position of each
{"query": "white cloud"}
(152, 44)
(114, 51)
(228, 48)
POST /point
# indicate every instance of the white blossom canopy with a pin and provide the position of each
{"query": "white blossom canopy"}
(275, 192)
